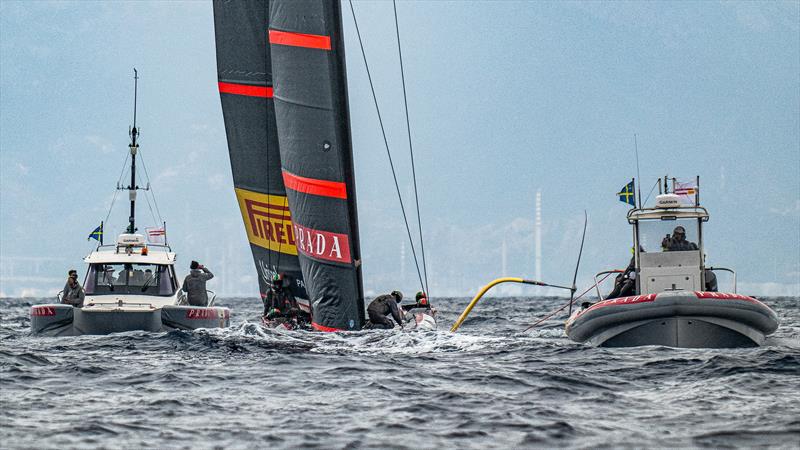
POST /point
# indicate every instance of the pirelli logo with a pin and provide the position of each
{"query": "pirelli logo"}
(267, 220)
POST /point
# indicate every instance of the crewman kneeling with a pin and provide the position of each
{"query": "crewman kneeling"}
(382, 306)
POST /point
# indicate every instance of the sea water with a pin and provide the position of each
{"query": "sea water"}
(491, 385)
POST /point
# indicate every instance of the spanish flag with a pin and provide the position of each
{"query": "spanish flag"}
(97, 234)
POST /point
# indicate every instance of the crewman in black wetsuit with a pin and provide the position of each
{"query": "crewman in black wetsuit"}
(625, 283)
(677, 242)
(280, 300)
(422, 302)
(382, 306)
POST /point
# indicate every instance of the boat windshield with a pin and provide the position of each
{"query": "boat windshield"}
(138, 279)
(664, 235)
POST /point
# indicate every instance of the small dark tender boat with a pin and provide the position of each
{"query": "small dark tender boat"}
(672, 299)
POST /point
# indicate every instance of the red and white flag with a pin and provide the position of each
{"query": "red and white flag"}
(156, 235)
(687, 190)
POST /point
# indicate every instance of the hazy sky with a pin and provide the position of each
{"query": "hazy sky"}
(505, 98)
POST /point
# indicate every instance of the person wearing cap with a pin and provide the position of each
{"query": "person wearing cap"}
(677, 242)
(73, 292)
(195, 284)
(384, 305)
(421, 302)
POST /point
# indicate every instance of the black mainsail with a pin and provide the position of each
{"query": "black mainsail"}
(245, 86)
(305, 118)
(313, 120)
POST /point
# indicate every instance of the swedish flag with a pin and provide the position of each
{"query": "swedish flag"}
(97, 234)
(627, 195)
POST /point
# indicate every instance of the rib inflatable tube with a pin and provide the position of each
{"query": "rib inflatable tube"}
(681, 319)
(52, 320)
(192, 317)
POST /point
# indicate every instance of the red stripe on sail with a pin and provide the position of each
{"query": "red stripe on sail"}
(244, 89)
(323, 188)
(319, 327)
(299, 39)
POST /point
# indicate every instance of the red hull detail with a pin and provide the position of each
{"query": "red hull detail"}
(244, 89)
(625, 300)
(203, 313)
(726, 296)
(313, 186)
(299, 40)
(43, 311)
(319, 327)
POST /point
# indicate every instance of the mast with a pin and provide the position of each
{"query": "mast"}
(134, 146)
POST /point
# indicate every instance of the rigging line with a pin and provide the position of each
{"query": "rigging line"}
(116, 191)
(148, 204)
(410, 147)
(566, 304)
(386, 143)
(150, 188)
(268, 190)
(649, 193)
(280, 243)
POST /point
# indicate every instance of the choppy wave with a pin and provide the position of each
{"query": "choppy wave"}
(489, 386)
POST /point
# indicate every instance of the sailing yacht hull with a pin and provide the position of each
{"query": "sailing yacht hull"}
(675, 319)
(65, 320)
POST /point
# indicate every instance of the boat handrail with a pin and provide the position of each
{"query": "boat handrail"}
(115, 247)
(597, 283)
(725, 269)
(212, 297)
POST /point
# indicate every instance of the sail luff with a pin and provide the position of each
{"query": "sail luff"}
(348, 163)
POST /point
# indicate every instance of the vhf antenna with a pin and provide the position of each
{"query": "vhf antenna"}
(133, 131)
(638, 175)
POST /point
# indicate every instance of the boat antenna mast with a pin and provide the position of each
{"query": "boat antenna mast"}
(134, 147)
(638, 175)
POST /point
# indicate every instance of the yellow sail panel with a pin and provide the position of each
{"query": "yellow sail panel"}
(267, 220)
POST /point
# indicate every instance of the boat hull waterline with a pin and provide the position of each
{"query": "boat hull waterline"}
(676, 319)
(66, 320)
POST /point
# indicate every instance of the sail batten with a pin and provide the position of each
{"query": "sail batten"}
(245, 89)
(278, 37)
(314, 186)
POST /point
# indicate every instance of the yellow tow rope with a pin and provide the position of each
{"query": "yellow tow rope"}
(486, 288)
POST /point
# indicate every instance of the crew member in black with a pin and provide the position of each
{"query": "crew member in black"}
(677, 242)
(279, 300)
(422, 302)
(382, 306)
(625, 283)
